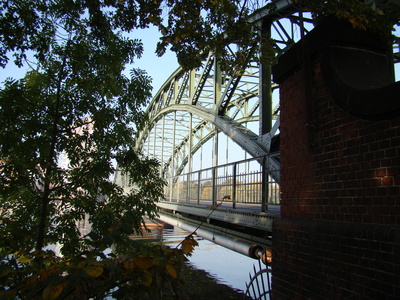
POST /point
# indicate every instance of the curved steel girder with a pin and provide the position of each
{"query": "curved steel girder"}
(238, 106)
(235, 107)
(200, 90)
(243, 137)
(244, 140)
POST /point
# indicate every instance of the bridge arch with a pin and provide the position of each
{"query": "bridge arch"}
(193, 107)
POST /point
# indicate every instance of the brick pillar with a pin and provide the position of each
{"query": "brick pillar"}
(339, 232)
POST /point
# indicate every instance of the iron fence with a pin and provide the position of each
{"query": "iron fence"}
(243, 182)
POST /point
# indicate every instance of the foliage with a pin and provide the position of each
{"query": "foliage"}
(146, 272)
(190, 28)
(378, 16)
(196, 27)
(74, 103)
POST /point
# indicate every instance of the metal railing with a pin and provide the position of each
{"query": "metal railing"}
(243, 182)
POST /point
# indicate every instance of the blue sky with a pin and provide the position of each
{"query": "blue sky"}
(159, 68)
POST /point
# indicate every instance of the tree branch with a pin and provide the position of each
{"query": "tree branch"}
(45, 200)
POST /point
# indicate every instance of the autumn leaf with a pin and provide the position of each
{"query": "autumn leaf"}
(143, 262)
(171, 271)
(94, 270)
(129, 264)
(23, 259)
(52, 292)
(146, 279)
(188, 244)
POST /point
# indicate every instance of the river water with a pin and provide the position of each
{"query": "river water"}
(224, 265)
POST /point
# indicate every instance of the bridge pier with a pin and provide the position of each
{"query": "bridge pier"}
(339, 232)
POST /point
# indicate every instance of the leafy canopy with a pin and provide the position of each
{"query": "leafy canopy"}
(75, 103)
(63, 129)
(190, 28)
(378, 16)
(194, 27)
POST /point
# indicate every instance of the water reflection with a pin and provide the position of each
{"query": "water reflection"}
(227, 266)
(224, 265)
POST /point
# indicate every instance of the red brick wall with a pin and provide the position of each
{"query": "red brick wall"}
(352, 175)
(339, 235)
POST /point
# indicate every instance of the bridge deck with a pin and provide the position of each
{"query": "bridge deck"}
(245, 214)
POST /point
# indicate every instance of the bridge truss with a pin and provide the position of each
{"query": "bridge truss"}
(193, 107)
(187, 112)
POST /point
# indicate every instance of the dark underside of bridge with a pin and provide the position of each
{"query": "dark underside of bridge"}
(244, 230)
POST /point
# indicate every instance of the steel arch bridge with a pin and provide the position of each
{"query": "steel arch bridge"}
(193, 107)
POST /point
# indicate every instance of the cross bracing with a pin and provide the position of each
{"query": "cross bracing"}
(179, 126)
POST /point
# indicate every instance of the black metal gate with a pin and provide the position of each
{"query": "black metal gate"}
(259, 286)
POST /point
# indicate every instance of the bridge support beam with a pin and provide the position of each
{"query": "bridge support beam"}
(265, 84)
(264, 185)
(214, 171)
(265, 108)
